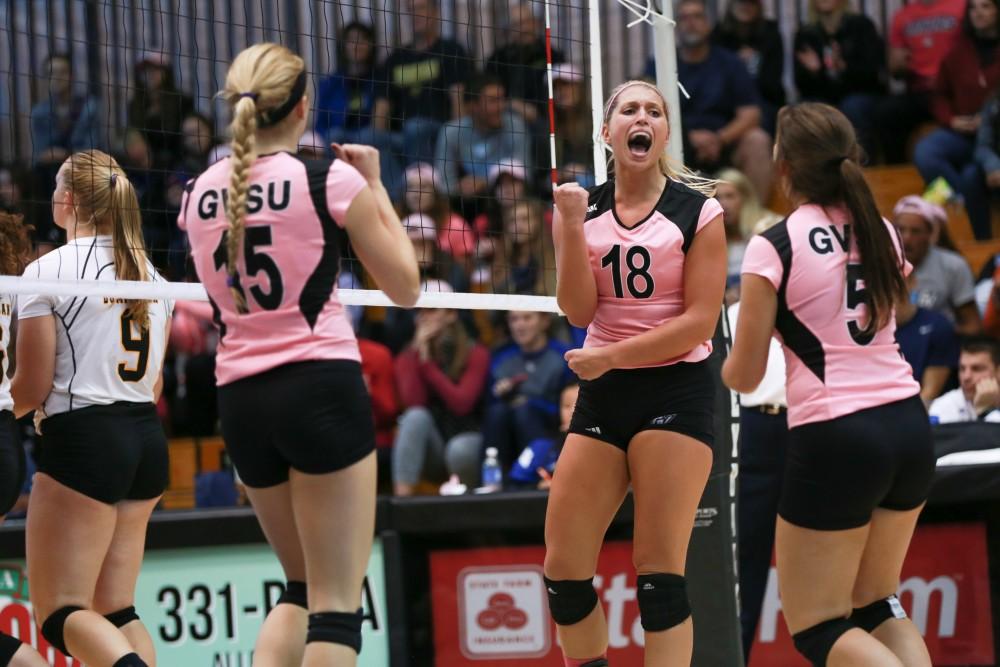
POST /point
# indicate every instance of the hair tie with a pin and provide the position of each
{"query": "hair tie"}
(231, 282)
(252, 96)
(114, 179)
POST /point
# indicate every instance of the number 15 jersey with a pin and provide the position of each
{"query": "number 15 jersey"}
(832, 367)
(102, 355)
(639, 270)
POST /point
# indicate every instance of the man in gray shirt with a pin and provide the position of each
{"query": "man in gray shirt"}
(944, 280)
(489, 135)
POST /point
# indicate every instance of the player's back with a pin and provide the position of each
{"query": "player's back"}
(103, 355)
(834, 366)
(287, 268)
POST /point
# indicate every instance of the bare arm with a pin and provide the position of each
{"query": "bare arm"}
(158, 386)
(36, 367)
(576, 289)
(746, 119)
(457, 94)
(704, 286)
(932, 383)
(747, 362)
(380, 114)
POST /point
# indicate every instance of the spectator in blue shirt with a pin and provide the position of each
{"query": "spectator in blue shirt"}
(526, 378)
(928, 342)
(65, 122)
(722, 116)
(345, 99)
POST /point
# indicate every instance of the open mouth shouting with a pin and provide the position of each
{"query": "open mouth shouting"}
(639, 143)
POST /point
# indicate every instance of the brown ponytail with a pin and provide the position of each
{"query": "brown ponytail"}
(15, 246)
(823, 156)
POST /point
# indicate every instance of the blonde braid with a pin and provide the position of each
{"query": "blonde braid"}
(244, 152)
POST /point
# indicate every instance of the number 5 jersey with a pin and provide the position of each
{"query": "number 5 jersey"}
(103, 356)
(287, 268)
(639, 270)
(833, 367)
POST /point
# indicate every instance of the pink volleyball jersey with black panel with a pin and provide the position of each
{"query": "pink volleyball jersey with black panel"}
(288, 268)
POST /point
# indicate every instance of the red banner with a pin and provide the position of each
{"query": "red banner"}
(490, 607)
(945, 589)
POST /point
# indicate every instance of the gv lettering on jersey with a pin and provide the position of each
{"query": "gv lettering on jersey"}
(4, 309)
(208, 203)
(821, 239)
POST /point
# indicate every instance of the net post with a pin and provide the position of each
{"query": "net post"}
(665, 57)
(597, 89)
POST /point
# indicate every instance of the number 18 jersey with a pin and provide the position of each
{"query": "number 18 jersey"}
(832, 367)
(102, 355)
(639, 270)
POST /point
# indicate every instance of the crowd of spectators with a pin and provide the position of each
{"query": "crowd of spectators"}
(464, 153)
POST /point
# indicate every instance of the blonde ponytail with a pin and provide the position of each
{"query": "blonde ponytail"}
(263, 83)
(103, 196)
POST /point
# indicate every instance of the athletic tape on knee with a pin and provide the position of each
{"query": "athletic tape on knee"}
(663, 601)
(570, 600)
(295, 593)
(122, 617)
(130, 660)
(8, 647)
(875, 614)
(816, 642)
(54, 627)
(336, 627)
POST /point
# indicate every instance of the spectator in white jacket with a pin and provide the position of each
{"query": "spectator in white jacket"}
(978, 397)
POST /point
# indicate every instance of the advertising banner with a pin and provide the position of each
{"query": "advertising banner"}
(203, 606)
(945, 589)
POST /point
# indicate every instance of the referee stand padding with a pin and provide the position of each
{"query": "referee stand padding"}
(889, 184)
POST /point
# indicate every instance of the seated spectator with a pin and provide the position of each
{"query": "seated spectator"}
(523, 259)
(968, 75)
(943, 278)
(537, 462)
(757, 41)
(424, 195)
(377, 371)
(987, 151)
(927, 341)
(742, 213)
(158, 108)
(468, 148)
(440, 378)
(197, 141)
(420, 85)
(66, 122)
(840, 60)
(345, 99)
(526, 377)
(978, 396)
(520, 64)
(921, 35)
(721, 118)
(135, 156)
(508, 185)
(574, 127)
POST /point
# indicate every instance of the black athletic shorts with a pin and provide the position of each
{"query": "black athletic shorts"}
(622, 402)
(107, 452)
(838, 471)
(313, 416)
(12, 464)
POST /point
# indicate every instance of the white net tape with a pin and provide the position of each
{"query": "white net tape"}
(129, 289)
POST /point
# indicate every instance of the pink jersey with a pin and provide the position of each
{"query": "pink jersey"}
(640, 269)
(288, 269)
(832, 367)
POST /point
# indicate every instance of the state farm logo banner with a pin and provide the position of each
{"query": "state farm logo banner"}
(503, 612)
(945, 590)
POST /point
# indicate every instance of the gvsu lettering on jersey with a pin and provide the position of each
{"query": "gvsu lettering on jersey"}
(821, 239)
(208, 204)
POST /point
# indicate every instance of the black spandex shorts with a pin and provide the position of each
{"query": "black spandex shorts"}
(313, 416)
(107, 452)
(12, 464)
(838, 471)
(622, 402)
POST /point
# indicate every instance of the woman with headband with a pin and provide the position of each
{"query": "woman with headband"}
(266, 229)
(641, 263)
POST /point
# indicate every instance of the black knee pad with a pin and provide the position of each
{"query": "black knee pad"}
(122, 617)
(130, 660)
(663, 601)
(336, 627)
(294, 593)
(570, 600)
(815, 642)
(8, 647)
(54, 627)
(875, 614)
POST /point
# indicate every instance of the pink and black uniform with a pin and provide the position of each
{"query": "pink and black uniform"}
(291, 393)
(859, 434)
(639, 271)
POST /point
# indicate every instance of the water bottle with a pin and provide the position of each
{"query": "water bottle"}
(492, 475)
